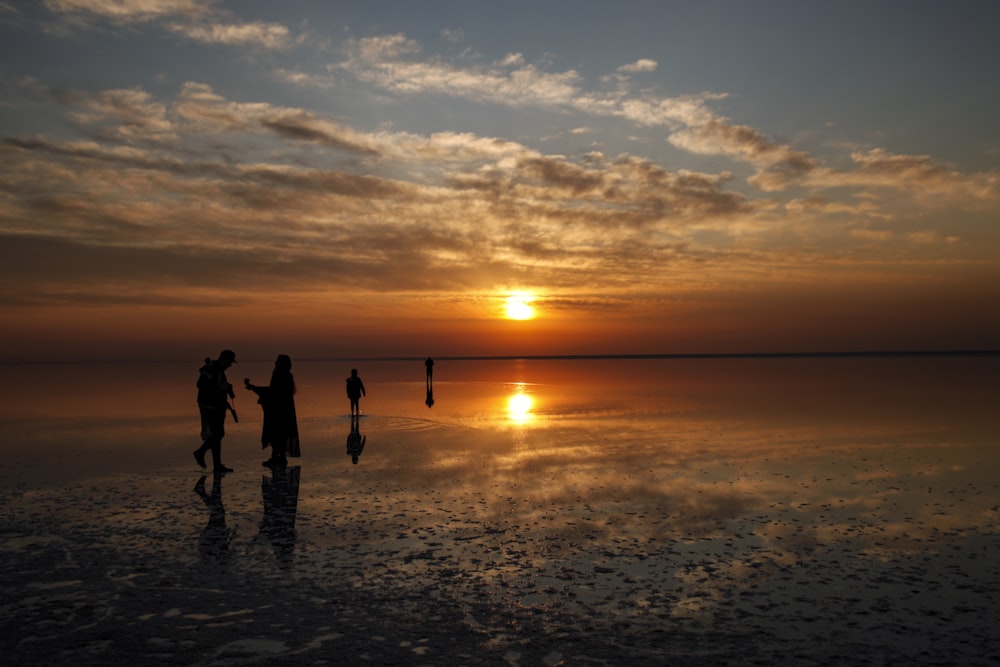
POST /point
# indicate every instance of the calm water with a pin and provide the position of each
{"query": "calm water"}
(141, 417)
(778, 501)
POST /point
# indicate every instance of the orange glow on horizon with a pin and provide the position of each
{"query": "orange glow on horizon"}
(518, 306)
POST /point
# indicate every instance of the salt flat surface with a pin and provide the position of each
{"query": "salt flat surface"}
(540, 513)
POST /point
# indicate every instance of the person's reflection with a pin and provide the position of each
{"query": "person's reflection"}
(355, 441)
(429, 402)
(213, 545)
(280, 493)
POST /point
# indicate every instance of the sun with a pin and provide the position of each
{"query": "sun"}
(518, 306)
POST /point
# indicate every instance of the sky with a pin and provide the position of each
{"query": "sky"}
(359, 179)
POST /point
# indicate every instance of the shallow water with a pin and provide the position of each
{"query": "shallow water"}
(813, 511)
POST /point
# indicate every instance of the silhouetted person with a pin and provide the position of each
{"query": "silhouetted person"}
(281, 429)
(280, 494)
(429, 401)
(213, 544)
(355, 390)
(355, 441)
(429, 364)
(214, 392)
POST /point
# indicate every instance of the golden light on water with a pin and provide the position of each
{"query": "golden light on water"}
(518, 306)
(519, 407)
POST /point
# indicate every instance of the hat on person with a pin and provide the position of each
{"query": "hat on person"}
(227, 354)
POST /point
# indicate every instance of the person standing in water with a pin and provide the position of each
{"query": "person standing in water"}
(280, 430)
(214, 392)
(355, 390)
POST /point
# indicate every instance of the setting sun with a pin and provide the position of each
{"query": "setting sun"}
(518, 306)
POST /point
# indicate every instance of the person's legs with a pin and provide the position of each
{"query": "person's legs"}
(217, 430)
(207, 435)
(278, 457)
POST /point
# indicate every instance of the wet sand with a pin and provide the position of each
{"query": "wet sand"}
(562, 530)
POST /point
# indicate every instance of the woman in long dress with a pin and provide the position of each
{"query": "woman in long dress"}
(281, 430)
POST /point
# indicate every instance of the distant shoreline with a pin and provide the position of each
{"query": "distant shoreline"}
(571, 357)
(706, 355)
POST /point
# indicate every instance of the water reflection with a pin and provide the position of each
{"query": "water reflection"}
(841, 499)
(519, 406)
(355, 441)
(213, 545)
(280, 495)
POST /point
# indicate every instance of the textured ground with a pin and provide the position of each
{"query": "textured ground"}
(427, 552)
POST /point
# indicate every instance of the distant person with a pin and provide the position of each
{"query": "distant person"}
(281, 429)
(214, 392)
(355, 390)
(355, 441)
(429, 364)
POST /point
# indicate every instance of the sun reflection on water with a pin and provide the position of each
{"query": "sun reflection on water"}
(519, 406)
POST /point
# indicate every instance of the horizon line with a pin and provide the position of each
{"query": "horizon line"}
(678, 355)
(580, 357)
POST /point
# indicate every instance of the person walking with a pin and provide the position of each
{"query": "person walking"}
(214, 392)
(355, 390)
(281, 429)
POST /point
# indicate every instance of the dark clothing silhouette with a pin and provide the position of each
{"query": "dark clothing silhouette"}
(355, 390)
(280, 430)
(214, 392)
(429, 363)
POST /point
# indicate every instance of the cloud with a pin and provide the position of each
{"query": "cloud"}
(917, 176)
(779, 164)
(390, 63)
(267, 35)
(385, 62)
(198, 20)
(308, 204)
(130, 11)
(378, 60)
(304, 79)
(200, 105)
(132, 113)
(641, 65)
(485, 210)
(829, 207)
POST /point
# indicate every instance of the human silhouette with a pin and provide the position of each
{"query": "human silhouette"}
(213, 545)
(355, 390)
(429, 401)
(214, 392)
(429, 364)
(355, 441)
(280, 430)
(280, 495)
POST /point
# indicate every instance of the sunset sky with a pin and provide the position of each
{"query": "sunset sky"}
(351, 179)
